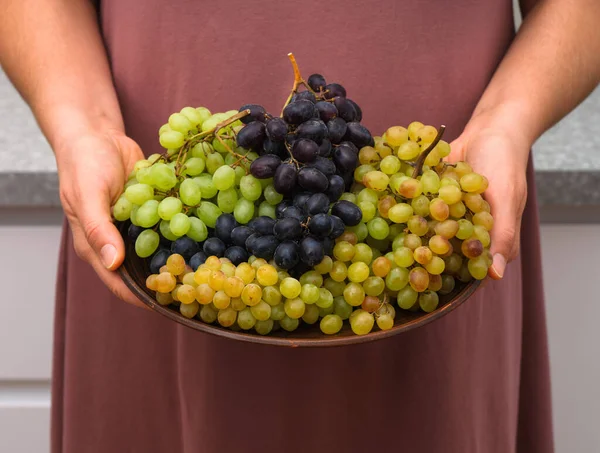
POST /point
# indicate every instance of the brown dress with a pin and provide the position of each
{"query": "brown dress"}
(477, 380)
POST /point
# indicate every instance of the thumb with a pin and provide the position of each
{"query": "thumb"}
(100, 233)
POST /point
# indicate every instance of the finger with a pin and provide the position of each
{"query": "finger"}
(504, 234)
(109, 278)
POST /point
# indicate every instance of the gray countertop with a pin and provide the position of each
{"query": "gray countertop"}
(566, 158)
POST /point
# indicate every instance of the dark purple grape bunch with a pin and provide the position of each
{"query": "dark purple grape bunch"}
(313, 147)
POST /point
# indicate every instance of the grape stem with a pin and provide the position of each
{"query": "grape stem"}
(421, 159)
(296, 163)
(298, 80)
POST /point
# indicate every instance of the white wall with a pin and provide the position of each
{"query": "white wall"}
(570, 254)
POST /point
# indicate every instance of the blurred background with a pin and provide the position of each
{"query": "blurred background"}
(567, 161)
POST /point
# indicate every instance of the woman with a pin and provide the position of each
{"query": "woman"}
(102, 78)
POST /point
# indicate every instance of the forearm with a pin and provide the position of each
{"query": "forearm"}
(53, 53)
(552, 65)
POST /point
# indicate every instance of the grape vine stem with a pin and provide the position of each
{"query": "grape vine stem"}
(298, 80)
(421, 159)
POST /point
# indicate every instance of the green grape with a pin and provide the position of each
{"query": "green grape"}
(325, 298)
(204, 113)
(374, 286)
(209, 213)
(271, 295)
(438, 209)
(418, 279)
(197, 231)
(168, 207)
(122, 209)
(385, 322)
(264, 327)
(400, 213)
(210, 123)
(147, 214)
(436, 266)
(144, 175)
(368, 210)
(360, 230)
(189, 310)
(358, 272)
(189, 192)
(448, 181)
(398, 241)
(361, 322)
(478, 267)
(325, 311)
(430, 181)
(420, 205)
(224, 177)
(343, 251)
(450, 194)
(213, 162)
(407, 297)
(376, 180)
(312, 277)
(309, 293)
(209, 314)
(417, 225)
(408, 151)
(164, 128)
(240, 172)
(264, 183)
(389, 165)
(409, 187)
(243, 211)
(482, 234)
(465, 229)
(290, 288)
(267, 210)
(139, 193)
(396, 279)
(348, 197)
(378, 228)
(165, 230)
(311, 314)
(331, 324)
(194, 166)
(146, 243)
(362, 253)
(453, 263)
(336, 288)
(342, 308)
(227, 317)
(171, 139)
(289, 324)
(226, 200)
(457, 210)
(395, 231)
(368, 196)
(245, 319)
(261, 311)
(179, 224)
(163, 176)
(472, 182)
(272, 196)
(207, 188)
(180, 123)
(403, 257)
(390, 260)
(224, 147)
(428, 301)
(277, 312)
(354, 294)
(294, 308)
(250, 188)
(379, 244)
(193, 115)
(361, 171)
(202, 150)
(448, 285)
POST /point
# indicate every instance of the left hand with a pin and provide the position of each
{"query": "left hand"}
(502, 158)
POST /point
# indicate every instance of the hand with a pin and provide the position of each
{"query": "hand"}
(92, 172)
(502, 158)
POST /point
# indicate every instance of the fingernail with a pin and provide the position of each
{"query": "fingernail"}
(499, 265)
(108, 253)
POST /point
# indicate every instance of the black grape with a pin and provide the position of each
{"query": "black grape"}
(285, 178)
(333, 90)
(159, 259)
(320, 225)
(305, 150)
(257, 113)
(262, 225)
(306, 95)
(351, 145)
(358, 110)
(350, 214)
(134, 231)
(312, 179)
(288, 228)
(252, 136)
(301, 198)
(299, 269)
(338, 227)
(327, 111)
(346, 110)
(264, 247)
(345, 159)
(294, 212)
(249, 245)
(214, 246)
(316, 82)
(236, 254)
(298, 112)
(325, 148)
(185, 247)
(317, 204)
(336, 188)
(223, 227)
(359, 135)
(313, 129)
(265, 166)
(282, 207)
(337, 128)
(287, 255)
(328, 245)
(290, 139)
(311, 251)
(276, 129)
(276, 148)
(196, 260)
(324, 165)
(240, 234)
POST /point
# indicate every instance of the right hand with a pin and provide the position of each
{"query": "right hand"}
(92, 172)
